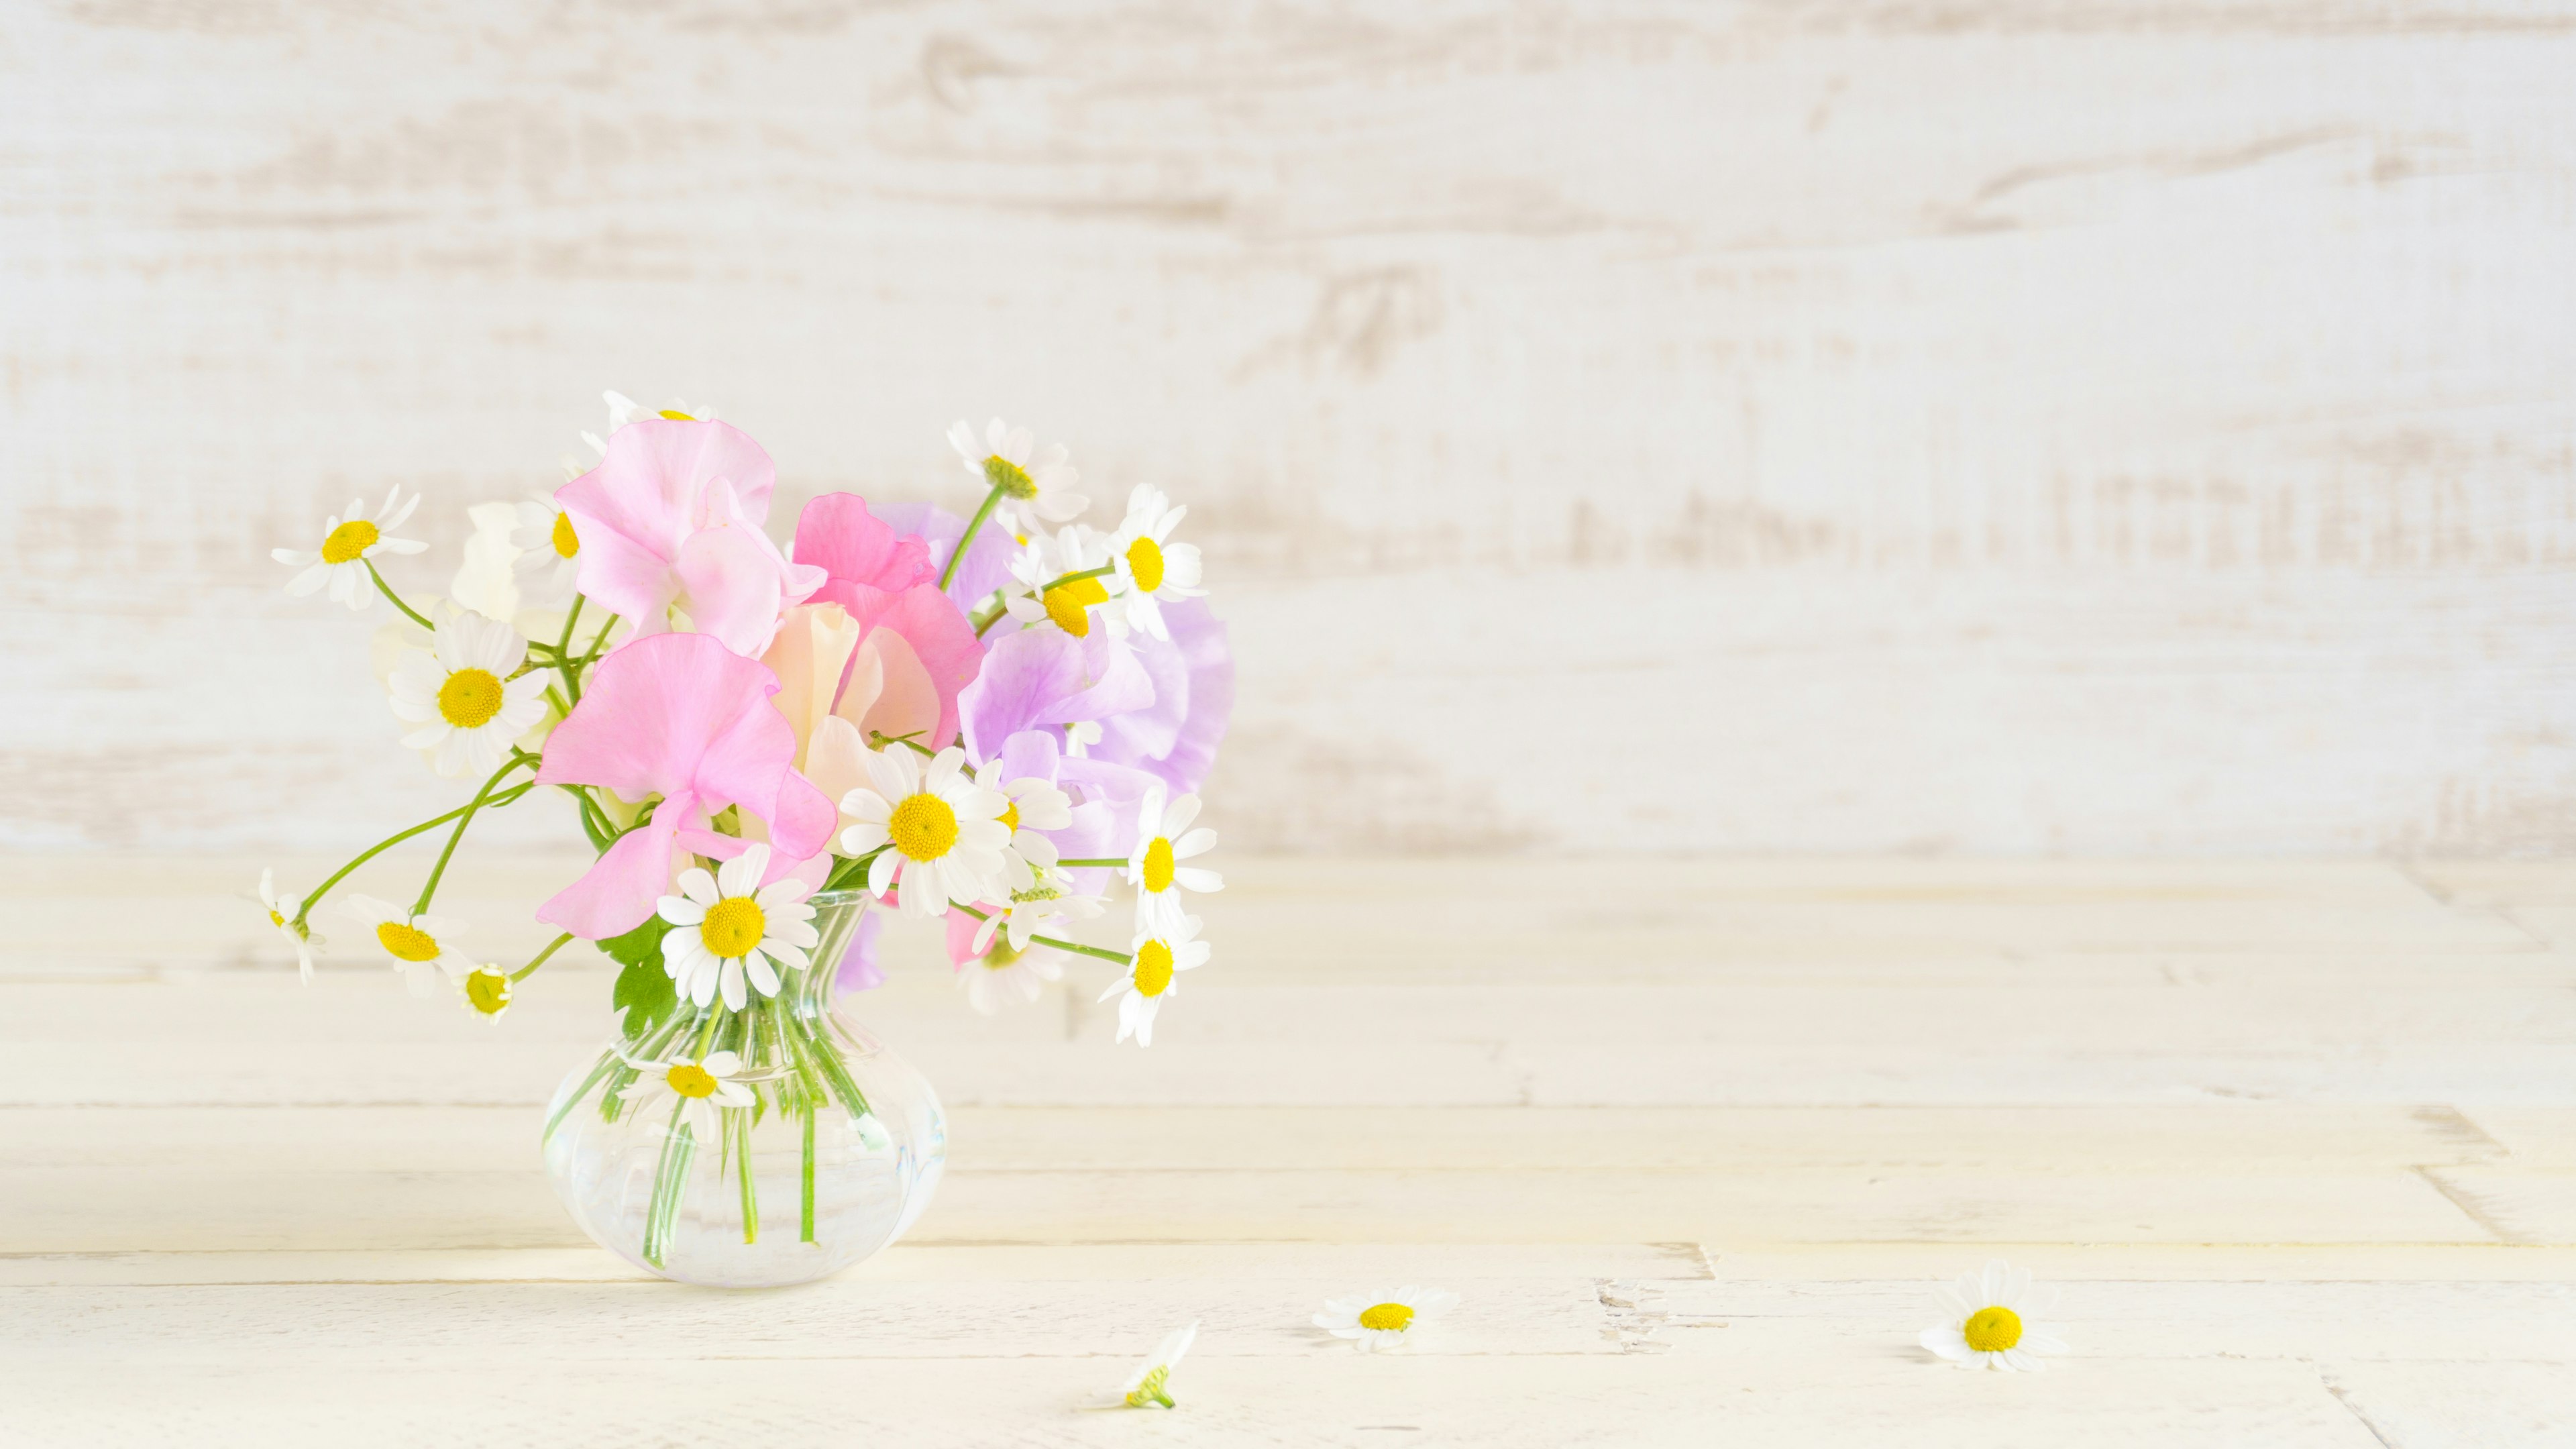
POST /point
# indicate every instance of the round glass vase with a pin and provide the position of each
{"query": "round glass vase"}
(832, 1158)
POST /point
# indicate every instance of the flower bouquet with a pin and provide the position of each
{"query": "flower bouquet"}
(978, 720)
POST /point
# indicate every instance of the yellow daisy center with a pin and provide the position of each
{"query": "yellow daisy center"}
(923, 827)
(1158, 865)
(1010, 477)
(1069, 604)
(1153, 969)
(567, 543)
(277, 920)
(488, 990)
(1992, 1330)
(349, 541)
(677, 416)
(691, 1080)
(1011, 816)
(1145, 561)
(733, 926)
(1394, 1316)
(407, 943)
(470, 698)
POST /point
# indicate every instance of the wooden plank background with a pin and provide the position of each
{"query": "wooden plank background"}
(1993, 426)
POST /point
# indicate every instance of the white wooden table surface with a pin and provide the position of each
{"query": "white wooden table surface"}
(1692, 1141)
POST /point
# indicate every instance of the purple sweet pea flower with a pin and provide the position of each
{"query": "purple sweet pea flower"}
(1046, 678)
(1176, 735)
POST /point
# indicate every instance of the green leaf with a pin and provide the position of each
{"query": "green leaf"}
(644, 994)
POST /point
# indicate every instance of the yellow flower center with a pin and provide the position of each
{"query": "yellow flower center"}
(1387, 1316)
(277, 920)
(567, 543)
(350, 540)
(470, 698)
(488, 990)
(923, 827)
(1010, 477)
(1153, 969)
(1992, 1330)
(1069, 604)
(677, 416)
(408, 943)
(691, 1080)
(1145, 561)
(1158, 865)
(733, 926)
(1011, 816)
(1153, 1388)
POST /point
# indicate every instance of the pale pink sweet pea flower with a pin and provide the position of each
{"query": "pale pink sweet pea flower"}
(879, 646)
(672, 517)
(681, 716)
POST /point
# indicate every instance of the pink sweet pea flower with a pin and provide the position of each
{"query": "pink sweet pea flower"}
(880, 646)
(673, 517)
(681, 716)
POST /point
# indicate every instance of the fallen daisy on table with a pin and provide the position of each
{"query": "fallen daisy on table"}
(1986, 1321)
(1373, 1323)
(1151, 1382)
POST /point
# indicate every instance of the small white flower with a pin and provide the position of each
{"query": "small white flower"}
(1151, 1383)
(1080, 736)
(347, 544)
(700, 1086)
(422, 946)
(1033, 487)
(1154, 868)
(487, 990)
(1007, 976)
(461, 694)
(282, 912)
(1043, 560)
(728, 929)
(623, 410)
(549, 552)
(1158, 957)
(1152, 568)
(1035, 805)
(1992, 1319)
(1043, 907)
(945, 832)
(1375, 1321)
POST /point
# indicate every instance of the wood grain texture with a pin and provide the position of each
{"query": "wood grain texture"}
(2011, 425)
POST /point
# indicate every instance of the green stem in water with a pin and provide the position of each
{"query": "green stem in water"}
(388, 591)
(972, 525)
(670, 1177)
(750, 1198)
(465, 817)
(805, 1204)
(524, 972)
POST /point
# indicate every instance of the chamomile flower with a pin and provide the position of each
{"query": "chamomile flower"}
(1005, 975)
(942, 833)
(282, 912)
(347, 544)
(729, 932)
(423, 947)
(1068, 605)
(1158, 957)
(623, 410)
(699, 1085)
(1035, 805)
(1151, 1383)
(1034, 485)
(1154, 569)
(1378, 1321)
(549, 550)
(1043, 907)
(1984, 1321)
(487, 990)
(1154, 869)
(460, 693)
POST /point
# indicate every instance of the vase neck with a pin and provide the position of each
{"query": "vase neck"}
(836, 925)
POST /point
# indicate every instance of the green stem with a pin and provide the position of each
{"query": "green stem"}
(607, 1062)
(972, 525)
(388, 591)
(670, 1177)
(1090, 860)
(879, 741)
(707, 1037)
(852, 872)
(563, 647)
(465, 817)
(805, 1203)
(524, 972)
(750, 1198)
(368, 854)
(1103, 953)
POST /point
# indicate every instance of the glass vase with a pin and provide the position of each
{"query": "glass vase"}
(832, 1158)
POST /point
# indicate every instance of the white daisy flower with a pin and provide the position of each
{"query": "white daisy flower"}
(1154, 868)
(1042, 907)
(623, 410)
(1159, 956)
(282, 911)
(1991, 1319)
(729, 930)
(1378, 1321)
(1008, 976)
(1033, 487)
(1150, 565)
(1151, 1383)
(422, 946)
(347, 544)
(486, 577)
(549, 550)
(1035, 805)
(1080, 736)
(1073, 550)
(944, 832)
(461, 694)
(487, 990)
(700, 1086)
